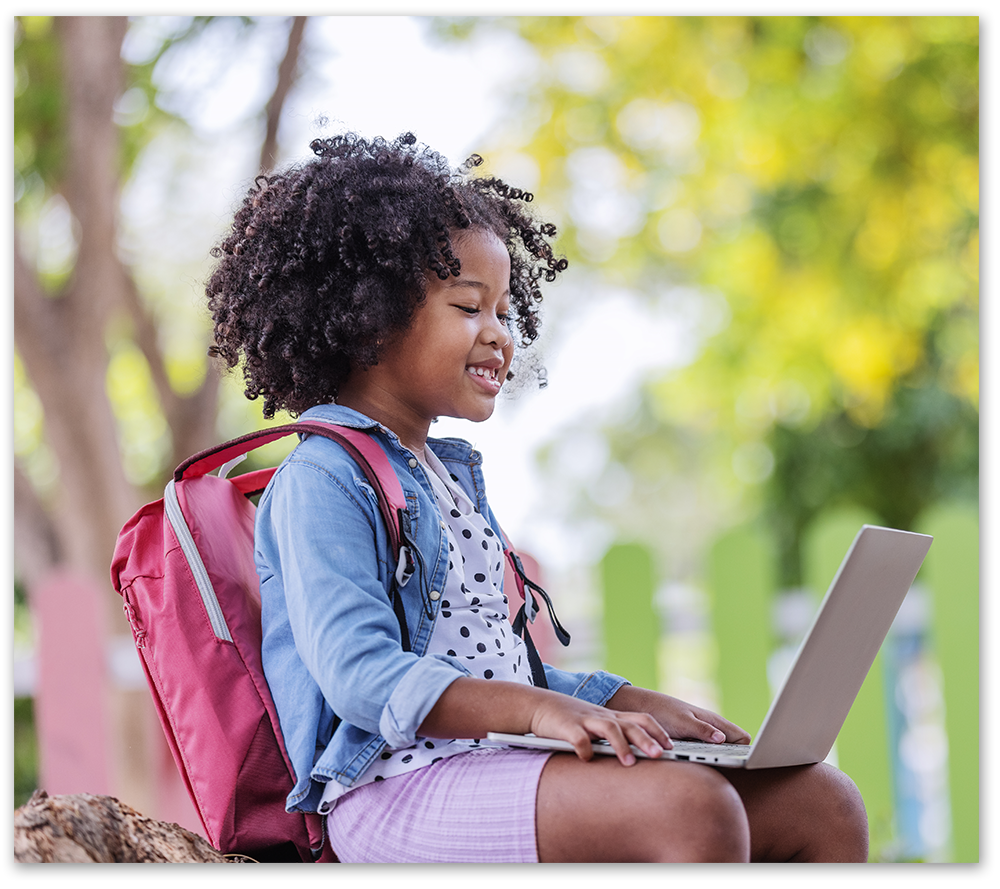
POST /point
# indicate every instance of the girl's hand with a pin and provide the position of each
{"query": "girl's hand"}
(681, 719)
(580, 723)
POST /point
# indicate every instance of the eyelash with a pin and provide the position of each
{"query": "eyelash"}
(504, 317)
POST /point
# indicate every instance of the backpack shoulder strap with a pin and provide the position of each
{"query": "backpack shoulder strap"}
(360, 445)
(526, 587)
(528, 610)
(372, 461)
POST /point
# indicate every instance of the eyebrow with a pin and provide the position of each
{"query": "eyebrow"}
(474, 284)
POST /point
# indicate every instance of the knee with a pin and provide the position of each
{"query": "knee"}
(844, 816)
(715, 825)
(851, 810)
(722, 808)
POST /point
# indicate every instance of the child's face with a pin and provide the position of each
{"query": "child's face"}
(453, 358)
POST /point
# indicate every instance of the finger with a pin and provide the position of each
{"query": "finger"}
(693, 728)
(611, 731)
(722, 732)
(581, 744)
(732, 732)
(622, 731)
(646, 733)
(739, 737)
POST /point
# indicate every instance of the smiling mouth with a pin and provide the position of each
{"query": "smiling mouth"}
(493, 375)
(487, 378)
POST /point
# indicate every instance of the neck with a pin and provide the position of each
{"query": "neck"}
(412, 431)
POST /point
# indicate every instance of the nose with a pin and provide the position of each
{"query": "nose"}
(497, 333)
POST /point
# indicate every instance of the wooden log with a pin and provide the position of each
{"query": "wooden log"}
(86, 828)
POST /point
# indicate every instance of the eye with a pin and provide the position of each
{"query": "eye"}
(469, 310)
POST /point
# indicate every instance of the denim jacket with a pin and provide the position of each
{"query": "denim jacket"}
(342, 683)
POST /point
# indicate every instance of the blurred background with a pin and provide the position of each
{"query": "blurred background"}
(768, 335)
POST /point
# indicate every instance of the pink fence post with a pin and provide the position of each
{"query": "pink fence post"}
(71, 698)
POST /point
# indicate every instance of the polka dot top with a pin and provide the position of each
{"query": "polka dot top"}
(474, 622)
(473, 625)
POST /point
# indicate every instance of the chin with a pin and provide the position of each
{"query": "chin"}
(476, 416)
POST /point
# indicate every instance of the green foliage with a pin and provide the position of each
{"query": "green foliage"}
(25, 751)
(39, 101)
(39, 104)
(925, 451)
(821, 175)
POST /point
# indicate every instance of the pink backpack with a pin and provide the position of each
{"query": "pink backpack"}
(184, 566)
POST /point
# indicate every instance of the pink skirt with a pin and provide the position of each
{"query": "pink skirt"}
(475, 807)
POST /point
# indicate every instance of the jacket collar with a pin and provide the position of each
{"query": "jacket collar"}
(445, 448)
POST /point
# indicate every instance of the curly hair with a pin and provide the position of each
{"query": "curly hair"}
(328, 258)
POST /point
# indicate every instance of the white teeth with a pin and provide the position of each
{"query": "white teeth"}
(484, 372)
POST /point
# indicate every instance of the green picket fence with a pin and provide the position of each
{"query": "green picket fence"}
(740, 579)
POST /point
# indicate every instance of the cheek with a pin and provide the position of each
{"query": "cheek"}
(508, 355)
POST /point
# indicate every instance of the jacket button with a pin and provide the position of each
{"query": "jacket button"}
(413, 462)
(435, 595)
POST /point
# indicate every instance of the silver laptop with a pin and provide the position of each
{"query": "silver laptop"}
(831, 664)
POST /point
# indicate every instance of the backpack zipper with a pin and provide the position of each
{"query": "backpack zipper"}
(175, 516)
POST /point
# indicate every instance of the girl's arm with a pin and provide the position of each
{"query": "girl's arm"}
(470, 707)
(682, 720)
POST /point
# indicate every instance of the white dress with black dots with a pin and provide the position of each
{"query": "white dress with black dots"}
(473, 625)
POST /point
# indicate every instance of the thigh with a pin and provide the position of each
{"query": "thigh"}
(651, 811)
(476, 807)
(802, 813)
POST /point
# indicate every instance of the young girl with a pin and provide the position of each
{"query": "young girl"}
(375, 287)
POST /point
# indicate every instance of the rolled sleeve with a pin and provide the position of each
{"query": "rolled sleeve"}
(413, 697)
(595, 688)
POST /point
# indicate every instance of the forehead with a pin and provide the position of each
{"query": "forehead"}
(480, 246)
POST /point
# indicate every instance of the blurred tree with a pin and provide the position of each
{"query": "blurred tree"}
(82, 116)
(816, 180)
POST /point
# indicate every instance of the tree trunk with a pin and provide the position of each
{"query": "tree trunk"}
(61, 339)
